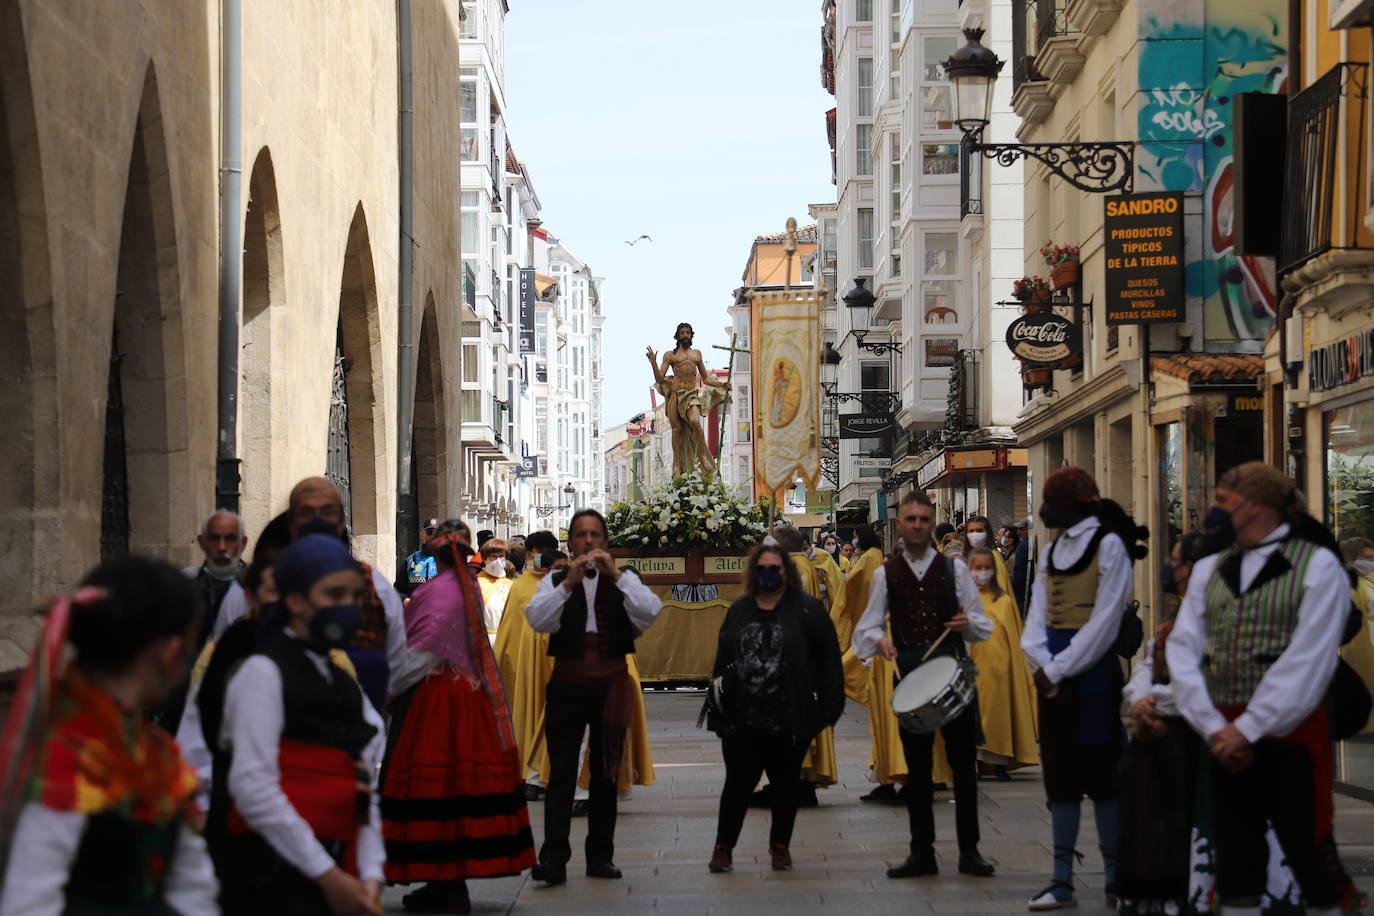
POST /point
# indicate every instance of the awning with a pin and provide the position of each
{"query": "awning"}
(542, 282)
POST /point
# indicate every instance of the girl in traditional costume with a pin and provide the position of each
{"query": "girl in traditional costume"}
(105, 816)
(1006, 691)
(453, 800)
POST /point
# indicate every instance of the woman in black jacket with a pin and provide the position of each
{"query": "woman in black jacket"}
(778, 659)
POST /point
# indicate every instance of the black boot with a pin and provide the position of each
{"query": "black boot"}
(915, 866)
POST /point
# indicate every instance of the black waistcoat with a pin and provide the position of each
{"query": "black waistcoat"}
(614, 635)
(316, 710)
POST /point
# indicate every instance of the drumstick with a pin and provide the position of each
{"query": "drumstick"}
(963, 610)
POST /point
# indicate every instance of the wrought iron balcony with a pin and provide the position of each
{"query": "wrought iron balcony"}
(1312, 183)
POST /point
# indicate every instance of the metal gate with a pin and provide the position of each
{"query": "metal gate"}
(114, 492)
(336, 460)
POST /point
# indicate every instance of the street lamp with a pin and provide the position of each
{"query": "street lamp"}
(880, 348)
(860, 297)
(1098, 168)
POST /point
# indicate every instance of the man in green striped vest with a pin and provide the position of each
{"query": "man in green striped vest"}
(1251, 656)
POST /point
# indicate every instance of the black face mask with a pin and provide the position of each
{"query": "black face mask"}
(335, 625)
(318, 525)
(1217, 532)
(769, 580)
(1166, 579)
(1049, 518)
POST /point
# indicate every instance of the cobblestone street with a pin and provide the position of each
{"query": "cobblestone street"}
(664, 837)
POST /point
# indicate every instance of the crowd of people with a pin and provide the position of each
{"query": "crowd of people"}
(287, 734)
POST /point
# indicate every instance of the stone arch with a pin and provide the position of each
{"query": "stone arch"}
(29, 410)
(430, 455)
(260, 400)
(146, 436)
(359, 344)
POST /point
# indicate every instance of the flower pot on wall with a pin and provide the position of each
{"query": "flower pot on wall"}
(1035, 378)
(1066, 274)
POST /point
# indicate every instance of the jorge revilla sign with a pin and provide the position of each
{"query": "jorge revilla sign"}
(1143, 246)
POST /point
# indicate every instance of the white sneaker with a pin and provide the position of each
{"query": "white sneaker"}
(1046, 900)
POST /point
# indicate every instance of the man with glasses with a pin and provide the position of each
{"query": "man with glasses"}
(316, 507)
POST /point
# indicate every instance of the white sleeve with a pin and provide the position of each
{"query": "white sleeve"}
(415, 664)
(980, 625)
(45, 843)
(253, 717)
(371, 849)
(191, 739)
(1098, 635)
(1299, 678)
(545, 609)
(641, 604)
(191, 885)
(395, 626)
(1142, 677)
(1184, 651)
(1033, 639)
(234, 606)
(872, 625)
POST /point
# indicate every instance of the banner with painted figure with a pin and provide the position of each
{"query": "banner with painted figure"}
(786, 389)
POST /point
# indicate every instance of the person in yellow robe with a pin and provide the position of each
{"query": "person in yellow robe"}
(1358, 653)
(1006, 690)
(869, 558)
(495, 584)
(522, 655)
(845, 558)
(978, 533)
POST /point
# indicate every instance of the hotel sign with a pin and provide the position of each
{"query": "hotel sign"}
(526, 301)
(1143, 247)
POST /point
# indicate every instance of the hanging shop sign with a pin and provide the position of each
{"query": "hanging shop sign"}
(1042, 340)
(1341, 363)
(527, 296)
(529, 467)
(870, 462)
(1143, 248)
(866, 425)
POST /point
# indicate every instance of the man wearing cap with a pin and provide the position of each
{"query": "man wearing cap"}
(1020, 563)
(419, 566)
(1082, 584)
(1251, 657)
(303, 829)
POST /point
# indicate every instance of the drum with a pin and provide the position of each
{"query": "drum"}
(933, 694)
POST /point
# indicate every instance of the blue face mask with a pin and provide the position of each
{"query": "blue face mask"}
(334, 626)
(1217, 531)
(1166, 579)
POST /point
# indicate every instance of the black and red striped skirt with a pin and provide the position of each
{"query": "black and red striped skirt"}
(453, 800)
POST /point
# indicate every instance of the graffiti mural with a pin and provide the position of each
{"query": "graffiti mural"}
(1188, 75)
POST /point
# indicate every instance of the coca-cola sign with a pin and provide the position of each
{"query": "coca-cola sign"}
(1043, 340)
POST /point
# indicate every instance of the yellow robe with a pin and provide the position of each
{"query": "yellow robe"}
(1006, 692)
(1359, 652)
(522, 656)
(843, 562)
(856, 676)
(819, 766)
(495, 596)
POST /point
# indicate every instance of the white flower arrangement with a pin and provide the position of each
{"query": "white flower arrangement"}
(693, 510)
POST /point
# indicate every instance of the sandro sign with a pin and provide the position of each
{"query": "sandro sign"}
(1041, 341)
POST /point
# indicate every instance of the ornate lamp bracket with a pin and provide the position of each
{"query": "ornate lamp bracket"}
(1097, 168)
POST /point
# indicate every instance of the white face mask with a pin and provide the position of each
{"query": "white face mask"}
(1364, 567)
(496, 568)
(982, 576)
(977, 538)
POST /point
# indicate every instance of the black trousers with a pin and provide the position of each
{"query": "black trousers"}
(1290, 786)
(961, 751)
(747, 757)
(570, 711)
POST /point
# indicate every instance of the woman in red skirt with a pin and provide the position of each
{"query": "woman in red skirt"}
(453, 801)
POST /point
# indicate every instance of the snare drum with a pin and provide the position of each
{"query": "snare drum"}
(933, 694)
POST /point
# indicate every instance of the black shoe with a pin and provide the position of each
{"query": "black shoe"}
(763, 798)
(973, 863)
(915, 866)
(806, 795)
(581, 807)
(533, 792)
(602, 870)
(439, 897)
(939, 787)
(883, 793)
(550, 874)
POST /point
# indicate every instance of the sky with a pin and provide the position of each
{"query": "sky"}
(700, 124)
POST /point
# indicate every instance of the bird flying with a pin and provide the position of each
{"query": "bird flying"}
(638, 240)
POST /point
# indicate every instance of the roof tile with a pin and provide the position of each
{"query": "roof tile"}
(1210, 367)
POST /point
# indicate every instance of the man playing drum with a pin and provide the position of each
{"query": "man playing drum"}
(924, 594)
